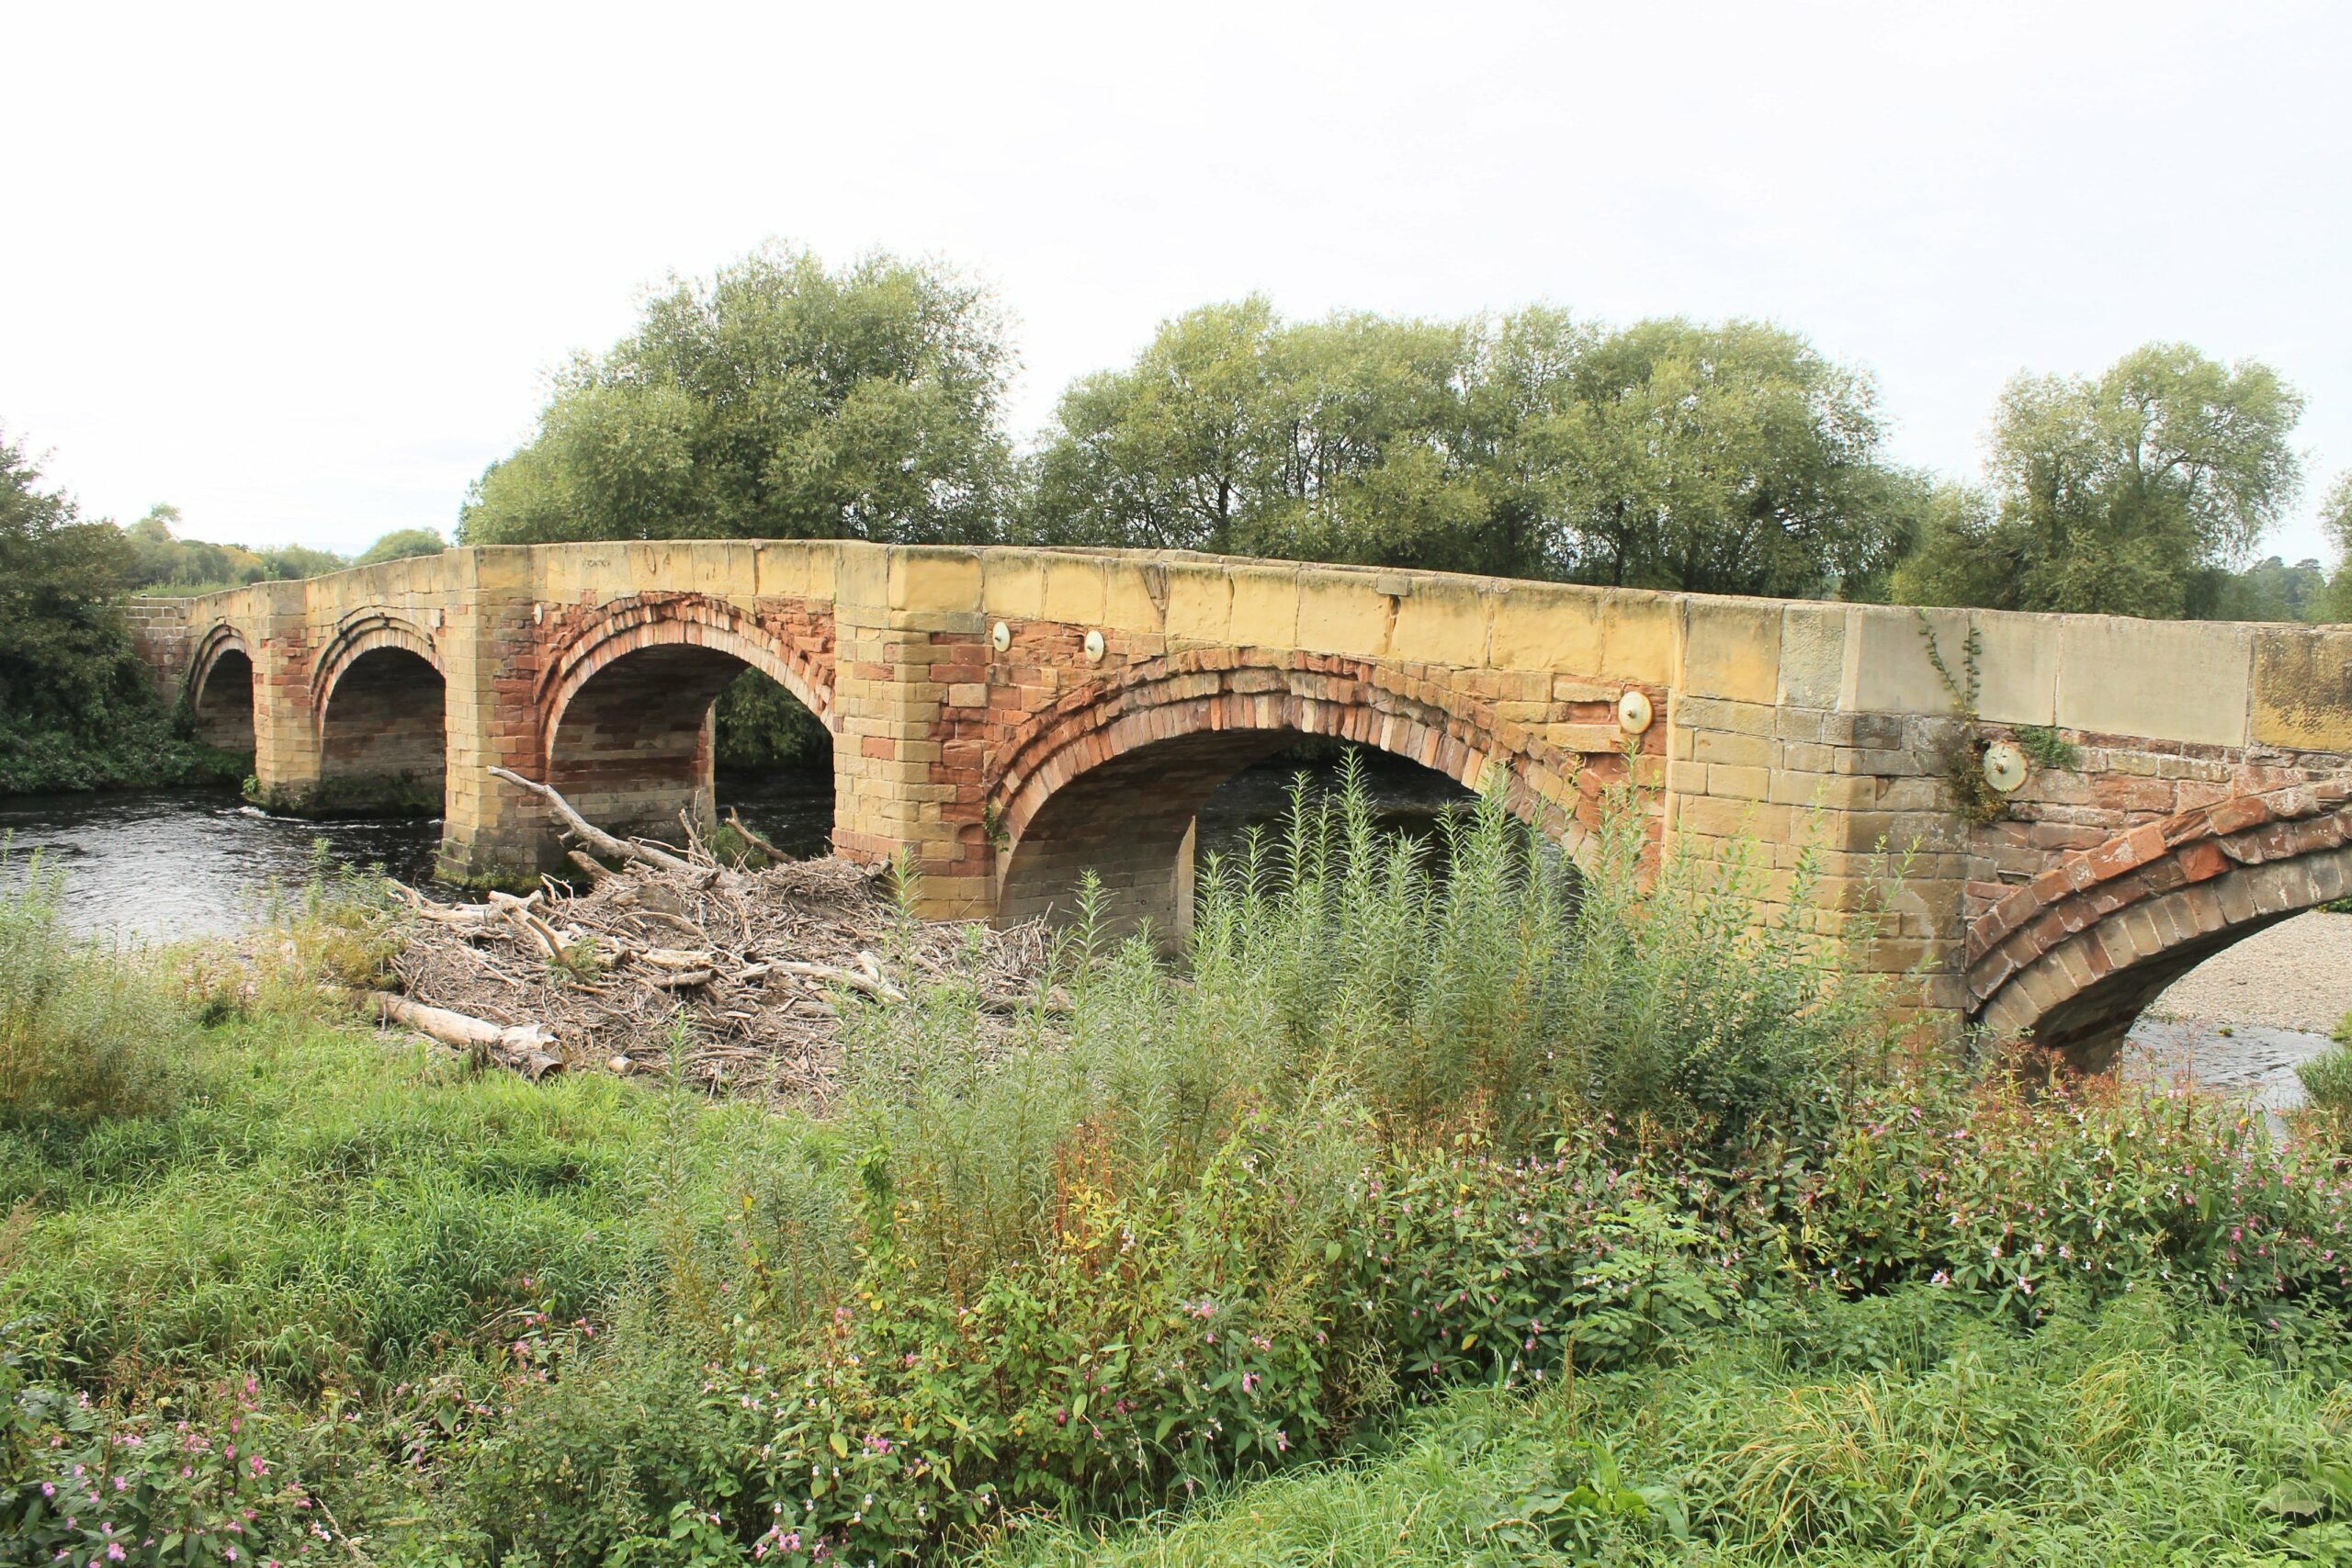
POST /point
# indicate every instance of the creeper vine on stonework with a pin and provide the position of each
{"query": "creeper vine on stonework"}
(1963, 758)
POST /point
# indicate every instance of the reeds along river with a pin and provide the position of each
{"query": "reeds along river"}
(156, 865)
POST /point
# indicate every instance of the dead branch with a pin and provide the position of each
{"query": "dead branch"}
(595, 870)
(743, 830)
(757, 967)
(595, 837)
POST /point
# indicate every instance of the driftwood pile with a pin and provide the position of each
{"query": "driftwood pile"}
(744, 975)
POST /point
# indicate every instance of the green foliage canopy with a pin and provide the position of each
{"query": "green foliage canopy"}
(401, 544)
(2130, 493)
(1728, 458)
(65, 655)
(2335, 518)
(164, 562)
(778, 400)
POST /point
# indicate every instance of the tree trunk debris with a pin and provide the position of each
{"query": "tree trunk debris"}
(740, 977)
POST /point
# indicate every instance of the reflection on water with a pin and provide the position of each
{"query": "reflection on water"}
(167, 863)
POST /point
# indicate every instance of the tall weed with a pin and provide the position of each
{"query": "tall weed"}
(85, 1033)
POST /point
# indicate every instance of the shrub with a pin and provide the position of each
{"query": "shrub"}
(1507, 1271)
(2005, 1187)
(83, 1033)
(1497, 982)
(1894, 1431)
(186, 1480)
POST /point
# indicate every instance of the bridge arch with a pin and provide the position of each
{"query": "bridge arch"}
(1111, 778)
(2073, 956)
(221, 690)
(379, 699)
(626, 704)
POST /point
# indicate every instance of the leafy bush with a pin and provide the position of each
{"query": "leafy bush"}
(186, 1480)
(83, 1033)
(2008, 1187)
(2327, 1079)
(1507, 1271)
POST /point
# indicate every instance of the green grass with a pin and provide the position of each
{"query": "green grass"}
(1896, 1431)
(329, 1209)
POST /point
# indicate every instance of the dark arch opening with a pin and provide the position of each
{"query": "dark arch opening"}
(774, 765)
(381, 746)
(642, 739)
(221, 713)
(1142, 822)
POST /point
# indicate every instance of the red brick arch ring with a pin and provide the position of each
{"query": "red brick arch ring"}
(360, 632)
(1120, 764)
(625, 627)
(2073, 956)
(219, 638)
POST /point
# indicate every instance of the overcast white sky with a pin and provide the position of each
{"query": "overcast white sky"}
(304, 273)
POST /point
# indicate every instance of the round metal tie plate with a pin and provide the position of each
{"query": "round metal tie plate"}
(1634, 713)
(2004, 766)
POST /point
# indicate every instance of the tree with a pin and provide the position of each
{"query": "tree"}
(1724, 458)
(2270, 589)
(777, 400)
(2335, 520)
(65, 654)
(2131, 494)
(280, 562)
(76, 710)
(166, 561)
(401, 544)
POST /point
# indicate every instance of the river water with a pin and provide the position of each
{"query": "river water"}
(155, 865)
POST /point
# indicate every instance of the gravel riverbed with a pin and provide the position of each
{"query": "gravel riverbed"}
(2244, 1018)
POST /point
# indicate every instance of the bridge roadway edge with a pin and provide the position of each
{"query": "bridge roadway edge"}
(1809, 729)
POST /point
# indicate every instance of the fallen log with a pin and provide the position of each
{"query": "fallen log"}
(595, 837)
(871, 985)
(474, 915)
(519, 1046)
(597, 873)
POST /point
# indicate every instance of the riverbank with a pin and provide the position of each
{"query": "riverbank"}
(1384, 1143)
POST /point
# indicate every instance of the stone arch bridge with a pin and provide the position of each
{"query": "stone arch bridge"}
(1011, 717)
